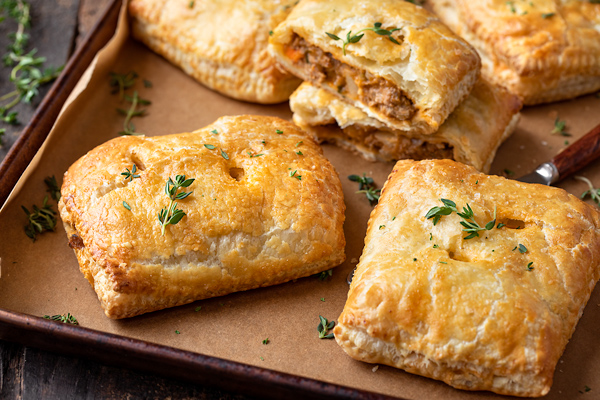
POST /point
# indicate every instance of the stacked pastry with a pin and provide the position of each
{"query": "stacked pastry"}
(382, 77)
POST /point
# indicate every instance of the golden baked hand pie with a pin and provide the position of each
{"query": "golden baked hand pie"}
(471, 134)
(222, 44)
(392, 59)
(265, 207)
(544, 50)
(490, 312)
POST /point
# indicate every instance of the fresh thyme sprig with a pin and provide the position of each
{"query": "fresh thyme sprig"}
(559, 127)
(367, 186)
(52, 187)
(27, 74)
(469, 224)
(325, 274)
(350, 38)
(40, 220)
(325, 326)
(593, 192)
(64, 318)
(121, 82)
(135, 100)
(131, 175)
(171, 215)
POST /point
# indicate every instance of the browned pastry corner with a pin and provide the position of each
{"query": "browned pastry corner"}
(222, 44)
(392, 59)
(471, 134)
(491, 312)
(265, 207)
(544, 50)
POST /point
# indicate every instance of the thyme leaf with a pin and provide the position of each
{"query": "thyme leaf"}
(376, 28)
(559, 127)
(121, 82)
(530, 266)
(325, 326)
(367, 186)
(171, 215)
(469, 224)
(52, 187)
(27, 74)
(593, 192)
(64, 318)
(325, 274)
(128, 126)
(131, 175)
(40, 219)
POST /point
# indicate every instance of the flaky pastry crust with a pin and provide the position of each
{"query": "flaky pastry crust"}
(544, 51)
(471, 134)
(260, 214)
(432, 67)
(222, 44)
(478, 314)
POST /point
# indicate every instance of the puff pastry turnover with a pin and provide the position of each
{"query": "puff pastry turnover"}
(392, 59)
(260, 214)
(471, 134)
(222, 44)
(493, 312)
(544, 51)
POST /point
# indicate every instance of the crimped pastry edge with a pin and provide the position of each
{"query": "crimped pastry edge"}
(125, 305)
(527, 86)
(358, 344)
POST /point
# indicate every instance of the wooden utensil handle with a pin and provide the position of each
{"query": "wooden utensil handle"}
(579, 154)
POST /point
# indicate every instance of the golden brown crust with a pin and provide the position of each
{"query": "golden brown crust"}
(544, 51)
(471, 134)
(263, 216)
(469, 312)
(432, 66)
(222, 44)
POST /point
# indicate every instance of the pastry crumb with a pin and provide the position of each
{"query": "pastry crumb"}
(375, 368)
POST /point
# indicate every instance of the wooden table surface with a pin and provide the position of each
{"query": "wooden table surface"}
(58, 26)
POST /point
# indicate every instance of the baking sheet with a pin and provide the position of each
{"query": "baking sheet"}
(43, 277)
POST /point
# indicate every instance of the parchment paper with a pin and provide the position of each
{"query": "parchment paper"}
(43, 277)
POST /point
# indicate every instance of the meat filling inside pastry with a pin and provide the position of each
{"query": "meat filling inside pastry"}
(392, 59)
(263, 207)
(471, 134)
(471, 279)
(374, 91)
